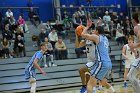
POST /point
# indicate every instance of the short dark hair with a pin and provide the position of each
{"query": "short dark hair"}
(136, 16)
(100, 29)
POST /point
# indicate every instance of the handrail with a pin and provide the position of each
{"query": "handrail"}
(16, 7)
(88, 7)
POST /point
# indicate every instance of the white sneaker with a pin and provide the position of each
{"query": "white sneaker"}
(45, 65)
(54, 65)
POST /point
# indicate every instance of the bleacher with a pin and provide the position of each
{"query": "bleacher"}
(64, 75)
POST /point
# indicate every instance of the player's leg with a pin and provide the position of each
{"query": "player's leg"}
(107, 85)
(91, 83)
(132, 78)
(32, 82)
(125, 76)
(82, 72)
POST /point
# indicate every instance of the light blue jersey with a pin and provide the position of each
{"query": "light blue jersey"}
(103, 65)
(102, 49)
(30, 69)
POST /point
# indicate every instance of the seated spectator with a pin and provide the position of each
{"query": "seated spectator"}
(48, 56)
(120, 37)
(61, 50)
(53, 37)
(33, 17)
(19, 46)
(5, 48)
(76, 20)
(9, 13)
(59, 29)
(19, 31)
(48, 26)
(21, 22)
(7, 33)
(12, 23)
(42, 35)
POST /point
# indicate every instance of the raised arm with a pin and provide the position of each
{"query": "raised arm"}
(92, 37)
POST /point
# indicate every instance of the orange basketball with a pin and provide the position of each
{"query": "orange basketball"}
(79, 30)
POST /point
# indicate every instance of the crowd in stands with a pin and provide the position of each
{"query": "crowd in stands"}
(116, 26)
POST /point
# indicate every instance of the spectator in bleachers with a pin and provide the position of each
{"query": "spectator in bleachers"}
(19, 46)
(9, 13)
(7, 33)
(48, 57)
(127, 27)
(61, 50)
(42, 35)
(49, 26)
(114, 17)
(5, 48)
(21, 22)
(53, 37)
(33, 17)
(12, 23)
(19, 31)
(76, 20)
(81, 14)
(107, 18)
(59, 29)
(120, 37)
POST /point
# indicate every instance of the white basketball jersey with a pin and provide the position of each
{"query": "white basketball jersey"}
(90, 48)
(129, 53)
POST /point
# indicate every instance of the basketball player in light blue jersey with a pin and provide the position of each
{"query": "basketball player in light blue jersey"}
(103, 65)
(30, 68)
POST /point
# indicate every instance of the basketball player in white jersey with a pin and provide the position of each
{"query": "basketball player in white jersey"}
(134, 73)
(129, 56)
(84, 71)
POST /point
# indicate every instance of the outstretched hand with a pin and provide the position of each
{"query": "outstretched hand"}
(89, 23)
(44, 73)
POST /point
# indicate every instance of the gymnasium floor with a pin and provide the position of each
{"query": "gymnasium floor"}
(118, 87)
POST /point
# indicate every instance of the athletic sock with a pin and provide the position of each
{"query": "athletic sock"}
(112, 89)
(33, 87)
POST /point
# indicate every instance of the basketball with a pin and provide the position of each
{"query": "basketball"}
(79, 30)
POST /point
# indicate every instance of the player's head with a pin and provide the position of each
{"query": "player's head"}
(130, 39)
(136, 18)
(99, 30)
(43, 47)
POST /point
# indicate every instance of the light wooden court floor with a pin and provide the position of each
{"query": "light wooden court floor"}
(118, 88)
